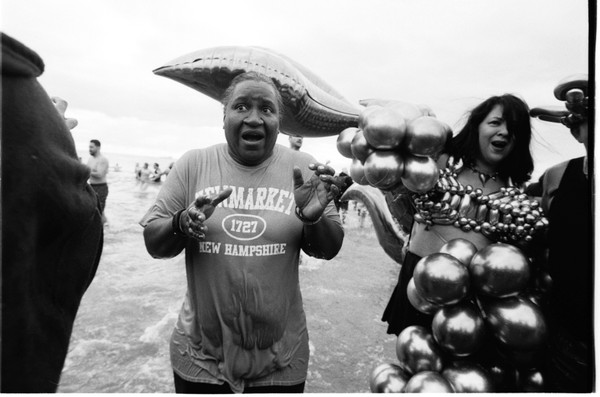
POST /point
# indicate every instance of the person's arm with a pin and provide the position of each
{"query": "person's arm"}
(162, 240)
(536, 189)
(322, 235)
(323, 239)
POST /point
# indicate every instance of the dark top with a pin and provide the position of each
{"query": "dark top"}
(570, 257)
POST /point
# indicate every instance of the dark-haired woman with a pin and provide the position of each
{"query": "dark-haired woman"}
(489, 155)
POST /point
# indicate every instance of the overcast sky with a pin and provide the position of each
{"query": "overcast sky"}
(449, 54)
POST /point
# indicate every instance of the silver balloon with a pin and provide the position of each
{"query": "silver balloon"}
(428, 382)
(420, 173)
(409, 111)
(468, 377)
(417, 300)
(344, 141)
(360, 147)
(388, 378)
(575, 95)
(534, 297)
(416, 350)
(383, 169)
(383, 127)
(426, 136)
(357, 173)
(459, 329)
(503, 377)
(517, 323)
(365, 114)
(312, 107)
(441, 279)
(461, 249)
(531, 381)
(544, 282)
(499, 270)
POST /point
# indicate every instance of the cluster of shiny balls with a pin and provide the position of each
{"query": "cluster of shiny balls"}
(395, 145)
(481, 301)
(507, 215)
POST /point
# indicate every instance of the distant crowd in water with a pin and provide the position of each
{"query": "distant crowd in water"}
(145, 175)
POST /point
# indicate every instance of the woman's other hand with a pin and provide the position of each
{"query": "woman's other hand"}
(313, 195)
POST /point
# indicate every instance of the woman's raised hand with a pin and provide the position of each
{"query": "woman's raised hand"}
(313, 195)
(192, 221)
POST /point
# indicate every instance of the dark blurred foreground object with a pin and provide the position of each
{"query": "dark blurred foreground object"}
(566, 190)
(52, 230)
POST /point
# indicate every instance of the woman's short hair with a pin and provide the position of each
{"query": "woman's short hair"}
(252, 76)
(518, 165)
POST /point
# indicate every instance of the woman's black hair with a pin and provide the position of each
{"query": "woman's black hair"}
(518, 165)
(252, 76)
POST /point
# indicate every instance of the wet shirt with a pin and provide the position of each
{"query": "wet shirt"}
(242, 320)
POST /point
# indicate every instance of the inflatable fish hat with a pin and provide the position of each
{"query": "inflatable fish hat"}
(312, 107)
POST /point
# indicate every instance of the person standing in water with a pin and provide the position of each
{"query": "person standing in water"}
(242, 211)
(99, 166)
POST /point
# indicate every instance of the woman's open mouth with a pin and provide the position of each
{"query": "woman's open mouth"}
(499, 144)
(252, 136)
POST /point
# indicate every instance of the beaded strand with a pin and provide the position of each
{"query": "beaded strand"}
(508, 215)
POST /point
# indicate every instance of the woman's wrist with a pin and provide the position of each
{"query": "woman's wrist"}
(176, 224)
(305, 221)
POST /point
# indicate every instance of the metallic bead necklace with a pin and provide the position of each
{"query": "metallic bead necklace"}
(483, 177)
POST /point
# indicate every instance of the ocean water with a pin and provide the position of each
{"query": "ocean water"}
(121, 333)
(120, 336)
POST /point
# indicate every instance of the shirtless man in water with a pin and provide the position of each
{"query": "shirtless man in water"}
(99, 166)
